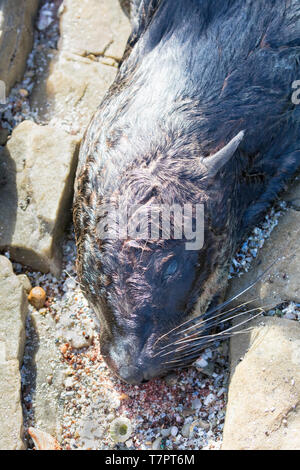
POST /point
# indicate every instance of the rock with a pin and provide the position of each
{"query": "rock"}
(25, 282)
(200, 363)
(13, 310)
(129, 443)
(37, 169)
(165, 432)
(37, 297)
(74, 89)
(44, 375)
(85, 65)
(157, 444)
(11, 432)
(4, 133)
(263, 400)
(76, 338)
(281, 282)
(186, 430)
(105, 27)
(16, 38)
(196, 404)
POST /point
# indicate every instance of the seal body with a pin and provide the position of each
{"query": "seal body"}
(200, 113)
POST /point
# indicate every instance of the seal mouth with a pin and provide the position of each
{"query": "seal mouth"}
(139, 375)
(132, 367)
(131, 374)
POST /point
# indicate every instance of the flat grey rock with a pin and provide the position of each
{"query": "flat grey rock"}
(85, 65)
(13, 311)
(37, 170)
(263, 399)
(16, 37)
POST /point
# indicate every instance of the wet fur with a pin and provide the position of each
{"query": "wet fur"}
(194, 74)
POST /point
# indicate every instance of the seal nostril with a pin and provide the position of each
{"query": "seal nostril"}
(131, 374)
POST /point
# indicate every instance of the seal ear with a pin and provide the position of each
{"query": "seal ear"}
(215, 162)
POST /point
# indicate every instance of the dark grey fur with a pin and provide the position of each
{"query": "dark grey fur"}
(194, 74)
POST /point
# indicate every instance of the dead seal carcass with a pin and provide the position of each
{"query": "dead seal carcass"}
(200, 113)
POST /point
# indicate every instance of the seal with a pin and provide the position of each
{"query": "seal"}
(200, 114)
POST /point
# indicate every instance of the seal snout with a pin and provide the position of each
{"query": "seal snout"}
(130, 363)
(131, 374)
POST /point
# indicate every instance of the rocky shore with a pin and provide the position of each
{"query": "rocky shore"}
(63, 56)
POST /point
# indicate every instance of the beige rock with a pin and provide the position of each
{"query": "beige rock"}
(105, 28)
(16, 37)
(281, 282)
(82, 70)
(11, 431)
(13, 310)
(48, 403)
(263, 409)
(37, 172)
(73, 90)
(25, 282)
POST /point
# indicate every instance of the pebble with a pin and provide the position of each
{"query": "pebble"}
(69, 382)
(209, 399)
(165, 432)
(157, 444)
(37, 297)
(24, 93)
(196, 404)
(203, 424)
(201, 363)
(50, 379)
(186, 430)
(129, 443)
(25, 282)
(4, 133)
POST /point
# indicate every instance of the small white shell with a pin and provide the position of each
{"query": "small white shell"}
(120, 429)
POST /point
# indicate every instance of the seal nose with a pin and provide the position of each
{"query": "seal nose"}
(131, 374)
